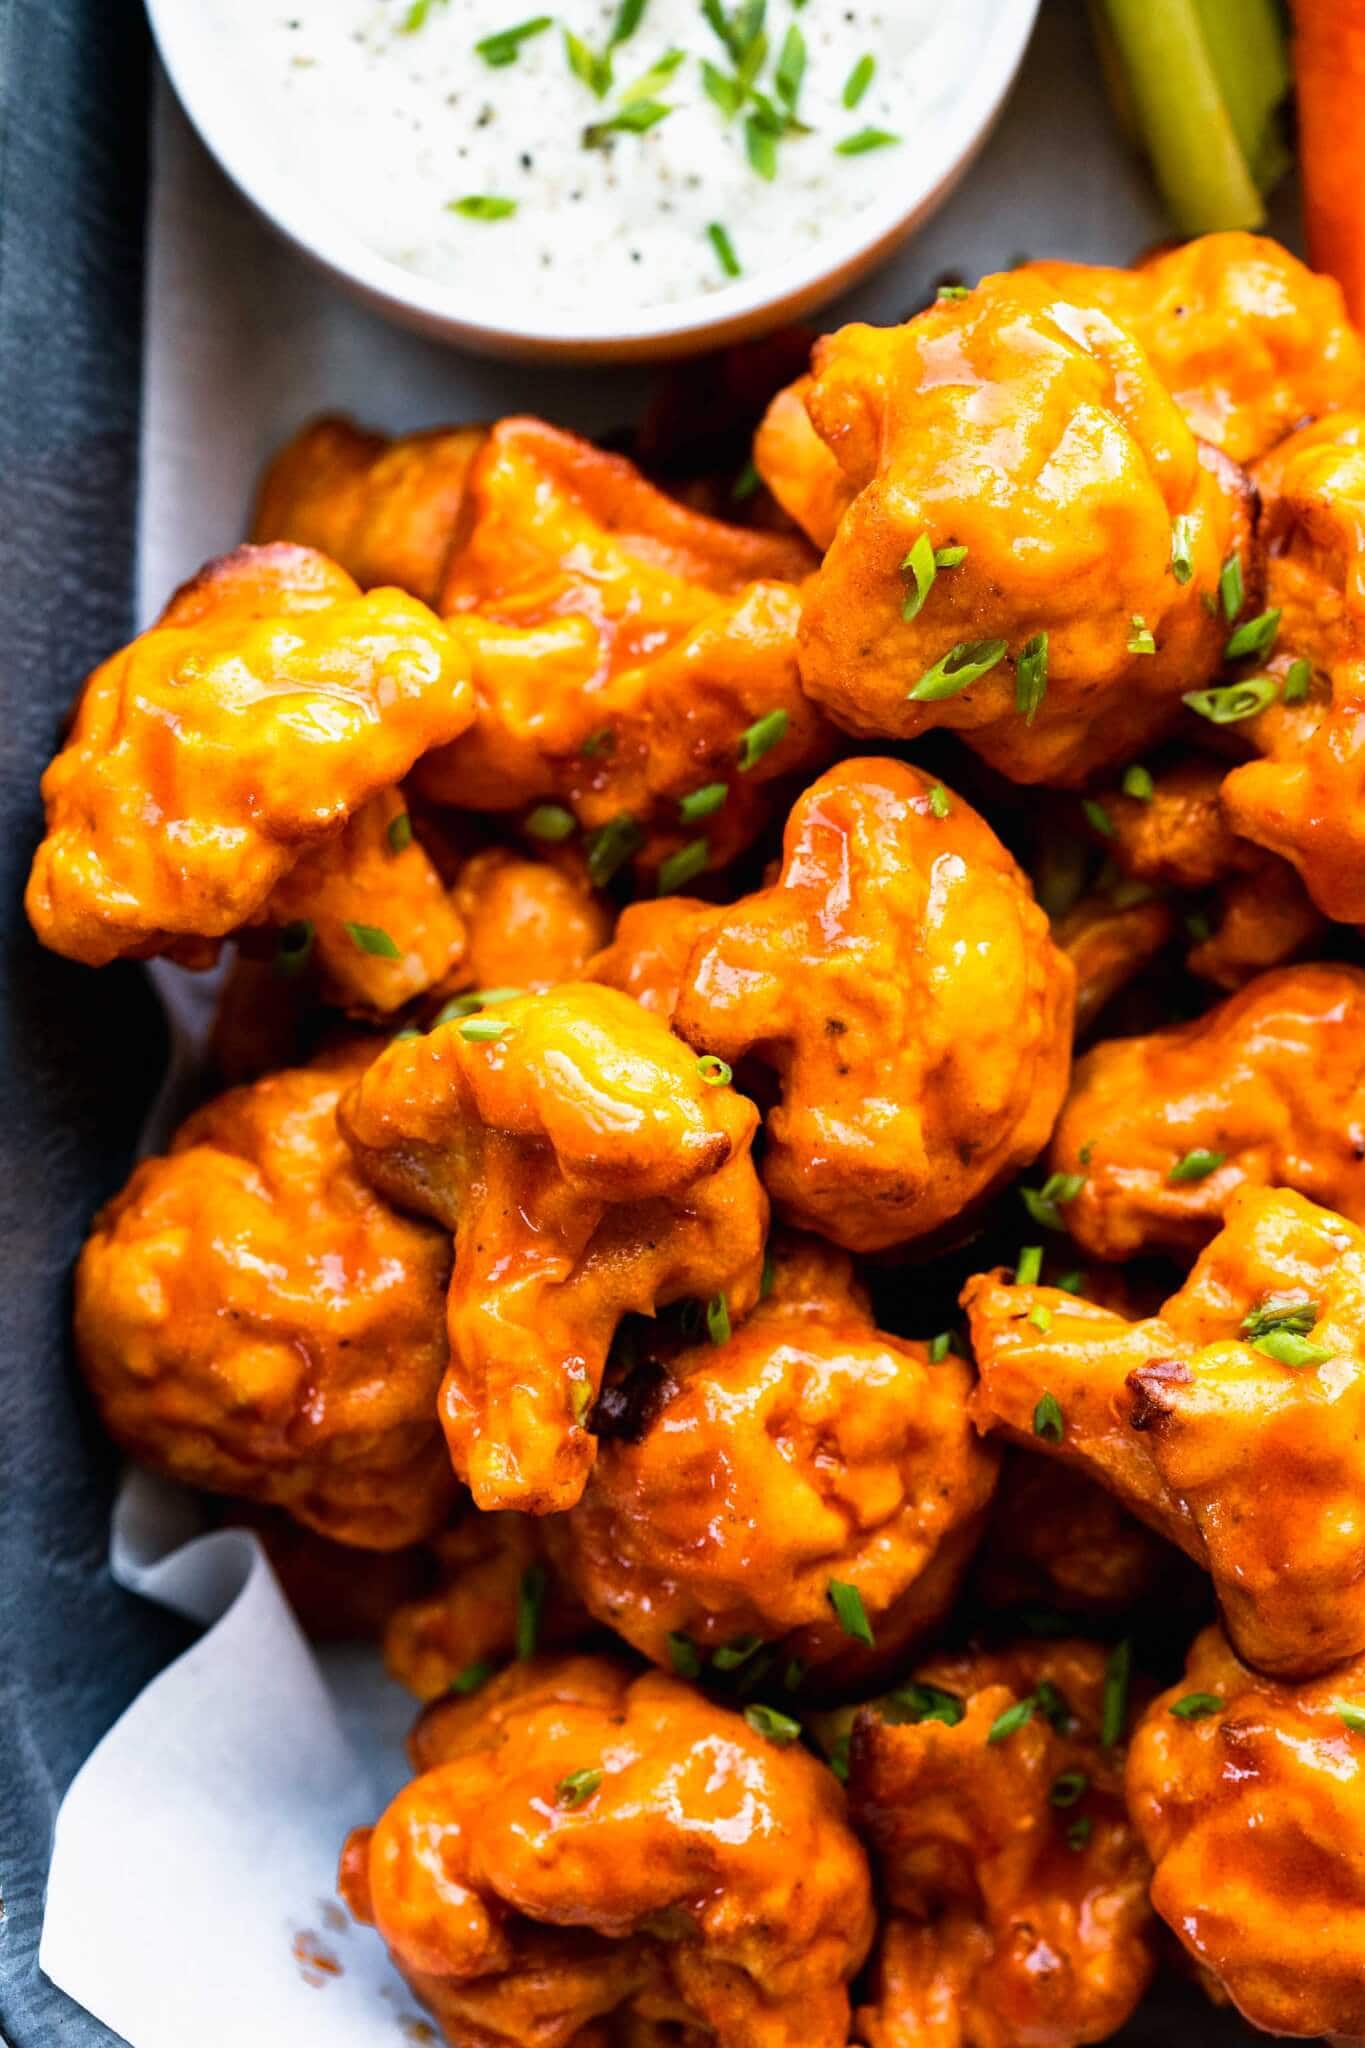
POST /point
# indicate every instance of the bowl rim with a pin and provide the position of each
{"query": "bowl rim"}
(293, 211)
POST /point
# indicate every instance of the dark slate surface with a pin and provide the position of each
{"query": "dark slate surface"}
(79, 1052)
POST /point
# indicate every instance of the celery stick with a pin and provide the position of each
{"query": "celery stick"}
(1184, 121)
(1247, 50)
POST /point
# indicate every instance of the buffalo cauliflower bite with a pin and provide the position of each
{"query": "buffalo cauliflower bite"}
(807, 1458)
(650, 948)
(626, 654)
(901, 981)
(1266, 1089)
(494, 1592)
(990, 1790)
(1109, 941)
(1248, 340)
(231, 740)
(806, 478)
(1249, 1795)
(586, 1169)
(389, 511)
(1175, 835)
(253, 1319)
(528, 923)
(1232, 1421)
(1304, 798)
(583, 1843)
(1033, 533)
(1056, 1539)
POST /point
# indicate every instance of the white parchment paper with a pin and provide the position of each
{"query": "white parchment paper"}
(230, 1783)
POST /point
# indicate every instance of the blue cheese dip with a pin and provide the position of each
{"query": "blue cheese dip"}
(611, 154)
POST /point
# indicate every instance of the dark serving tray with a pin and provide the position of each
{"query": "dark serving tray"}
(79, 1061)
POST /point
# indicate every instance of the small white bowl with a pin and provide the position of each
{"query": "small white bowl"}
(737, 312)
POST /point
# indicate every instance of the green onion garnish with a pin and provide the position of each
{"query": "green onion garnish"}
(731, 1655)
(1229, 702)
(953, 291)
(1097, 817)
(866, 139)
(1137, 782)
(858, 80)
(775, 1727)
(847, 1603)
(940, 1346)
(938, 801)
(1196, 1165)
(919, 563)
(1353, 1717)
(961, 665)
(760, 146)
(371, 938)
(682, 867)
(399, 833)
(1041, 1318)
(683, 1655)
(761, 737)
(724, 248)
(1182, 547)
(552, 823)
(1294, 1312)
(715, 1072)
(1140, 638)
(294, 946)
(503, 47)
(718, 1319)
(530, 1600)
(1286, 1347)
(1297, 679)
(1030, 1265)
(636, 119)
(1048, 1420)
(471, 1678)
(790, 68)
(481, 1030)
(587, 65)
(1253, 637)
(1007, 1724)
(1070, 1787)
(610, 847)
(1196, 1706)
(1230, 587)
(700, 803)
(482, 206)
(1030, 676)
(577, 1788)
(1080, 1831)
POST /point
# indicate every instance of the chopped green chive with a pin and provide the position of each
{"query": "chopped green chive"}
(477, 999)
(1048, 1421)
(580, 1397)
(774, 1727)
(920, 564)
(1043, 1203)
(790, 68)
(760, 146)
(1196, 1165)
(953, 291)
(1182, 547)
(530, 1600)
(1029, 1267)
(940, 1346)
(552, 823)
(628, 18)
(371, 938)
(793, 1675)
(1114, 1711)
(1072, 1282)
(611, 846)
(1068, 1789)
(865, 140)
(503, 48)
(587, 65)
(920, 1702)
(1079, 1833)
(1052, 1705)
(1030, 676)
(1352, 1716)
(718, 1319)
(682, 867)
(1041, 1318)
(293, 947)
(715, 1072)
(1140, 637)
(961, 665)
(577, 1788)
(482, 1030)
(726, 91)
(731, 1655)
(1230, 587)
(746, 483)
(838, 1758)
(471, 1678)
(1137, 782)
(1011, 1721)
(636, 119)
(482, 206)
(1287, 1348)
(416, 16)
(1097, 817)
(938, 801)
(603, 741)
(761, 737)
(725, 250)
(858, 80)
(1196, 1706)
(408, 1031)
(1198, 927)
(847, 1603)
(950, 557)
(683, 1655)
(1295, 1312)
(1254, 637)
(1297, 679)
(399, 833)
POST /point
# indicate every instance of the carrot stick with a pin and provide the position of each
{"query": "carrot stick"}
(1329, 67)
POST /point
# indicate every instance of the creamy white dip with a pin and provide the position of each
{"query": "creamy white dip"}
(466, 171)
